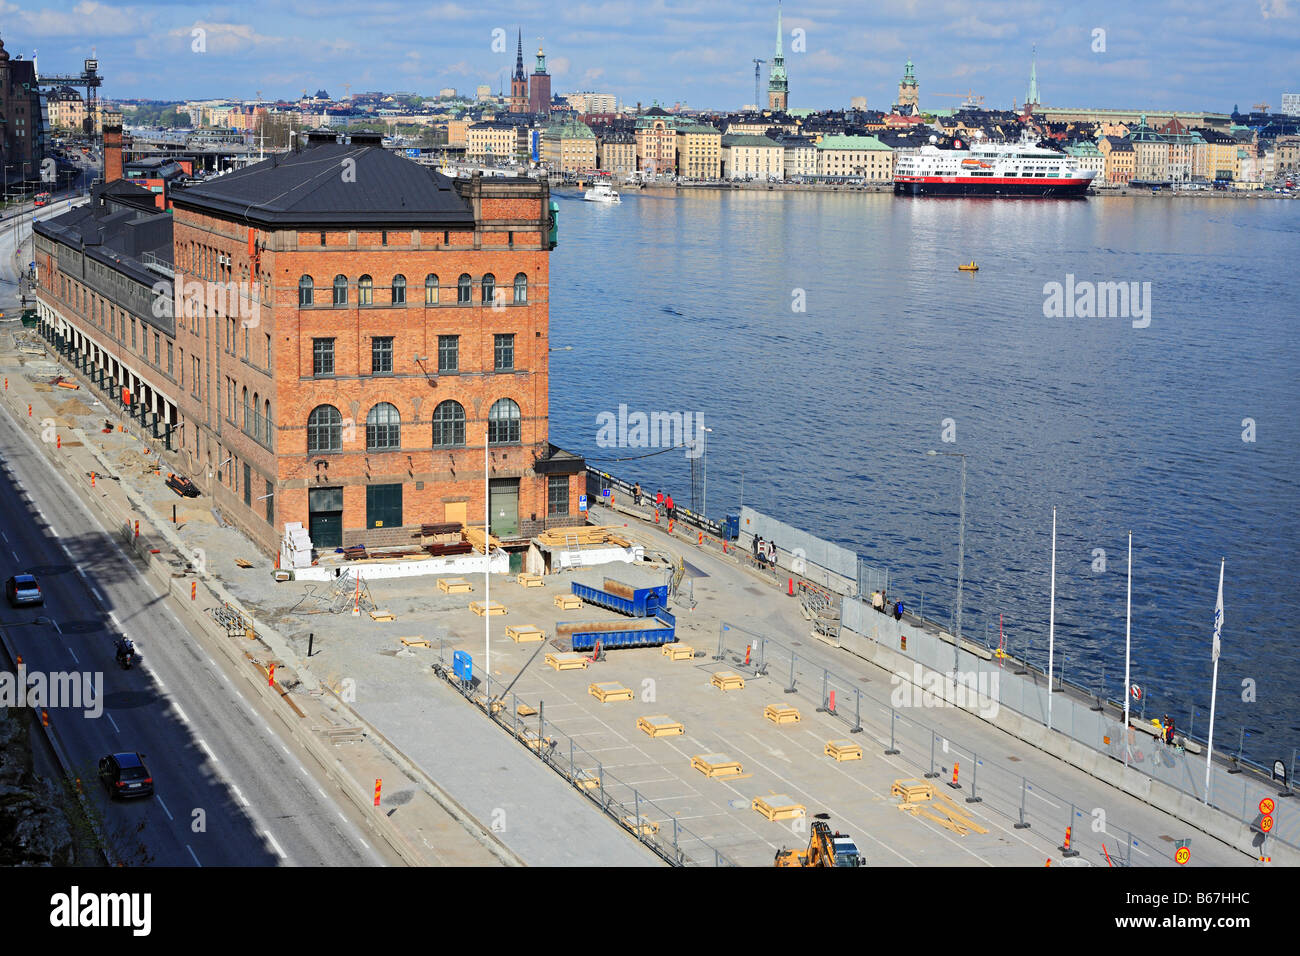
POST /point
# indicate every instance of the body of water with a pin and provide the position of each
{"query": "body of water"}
(828, 340)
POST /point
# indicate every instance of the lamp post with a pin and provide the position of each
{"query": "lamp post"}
(961, 557)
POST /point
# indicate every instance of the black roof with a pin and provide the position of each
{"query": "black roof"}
(331, 183)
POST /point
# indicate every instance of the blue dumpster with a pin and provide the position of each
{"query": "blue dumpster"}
(462, 665)
(731, 527)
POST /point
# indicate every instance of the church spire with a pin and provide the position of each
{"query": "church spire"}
(778, 86)
(779, 56)
(1033, 80)
(519, 57)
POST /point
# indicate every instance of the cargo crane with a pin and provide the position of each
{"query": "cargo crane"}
(824, 849)
(90, 80)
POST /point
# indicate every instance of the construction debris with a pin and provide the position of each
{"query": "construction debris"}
(919, 798)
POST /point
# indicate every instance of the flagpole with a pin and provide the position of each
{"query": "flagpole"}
(487, 565)
(1128, 630)
(1051, 626)
(1214, 687)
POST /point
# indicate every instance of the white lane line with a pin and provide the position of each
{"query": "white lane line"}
(268, 728)
(275, 845)
(321, 792)
(5, 536)
(206, 750)
(342, 817)
(95, 591)
(177, 708)
(196, 859)
(364, 843)
(164, 806)
(112, 615)
(304, 771)
(113, 722)
(15, 554)
(57, 628)
(74, 656)
(286, 750)
(240, 795)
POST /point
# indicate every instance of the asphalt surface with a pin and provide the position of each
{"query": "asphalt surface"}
(228, 790)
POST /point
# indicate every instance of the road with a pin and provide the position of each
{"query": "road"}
(229, 791)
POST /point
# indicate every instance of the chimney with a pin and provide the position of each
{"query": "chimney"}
(112, 153)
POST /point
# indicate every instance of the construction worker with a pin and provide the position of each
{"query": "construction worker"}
(659, 499)
(668, 503)
(636, 494)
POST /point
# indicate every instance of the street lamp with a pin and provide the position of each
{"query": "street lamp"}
(961, 556)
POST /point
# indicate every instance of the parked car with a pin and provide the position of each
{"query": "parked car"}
(22, 590)
(125, 775)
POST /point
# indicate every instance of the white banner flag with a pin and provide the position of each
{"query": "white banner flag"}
(1218, 616)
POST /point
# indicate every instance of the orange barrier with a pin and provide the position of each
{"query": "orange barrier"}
(194, 590)
(270, 677)
(378, 784)
(955, 767)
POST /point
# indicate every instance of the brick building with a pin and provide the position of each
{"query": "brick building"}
(349, 327)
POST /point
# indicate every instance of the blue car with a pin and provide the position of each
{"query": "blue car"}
(125, 775)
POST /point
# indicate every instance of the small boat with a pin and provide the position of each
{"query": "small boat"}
(970, 267)
(601, 192)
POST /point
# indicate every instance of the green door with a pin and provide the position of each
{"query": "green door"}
(504, 506)
(325, 517)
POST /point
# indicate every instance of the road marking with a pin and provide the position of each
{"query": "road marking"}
(196, 859)
(342, 817)
(241, 797)
(304, 771)
(5, 536)
(321, 792)
(275, 845)
(177, 708)
(95, 591)
(15, 554)
(112, 721)
(164, 806)
(59, 629)
(113, 617)
(208, 752)
(364, 843)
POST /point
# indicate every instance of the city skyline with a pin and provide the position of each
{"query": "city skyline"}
(1189, 56)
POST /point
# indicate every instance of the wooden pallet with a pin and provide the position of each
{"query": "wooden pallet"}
(567, 661)
(414, 642)
(645, 828)
(609, 692)
(523, 710)
(678, 652)
(586, 780)
(912, 791)
(530, 580)
(727, 680)
(381, 615)
(524, 633)
(487, 703)
(474, 536)
(841, 750)
(660, 725)
(568, 602)
(781, 714)
(716, 765)
(488, 608)
(530, 739)
(454, 586)
(778, 807)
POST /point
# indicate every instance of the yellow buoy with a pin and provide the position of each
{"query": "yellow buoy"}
(972, 267)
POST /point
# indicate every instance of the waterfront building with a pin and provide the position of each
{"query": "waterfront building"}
(456, 131)
(616, 152)
(760, 124)
(699, 151)
(909, 93)
(855, 157)
(539, 85)
(752, 157)
(656, 142)
(1119, 162)
(778, 85)
(1216, 158)
(1288, 154)
(366, 341)
(491, 139)
(519, 81)
(1086, 155)
(800, 156)
(568, 147)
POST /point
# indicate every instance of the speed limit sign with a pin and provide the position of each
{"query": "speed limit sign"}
(1266, 824)
(1183, 855)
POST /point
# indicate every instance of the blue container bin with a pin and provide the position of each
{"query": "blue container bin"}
(731, 527)
(462, 665)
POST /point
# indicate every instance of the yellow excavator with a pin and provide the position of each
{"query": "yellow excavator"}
(824, 849)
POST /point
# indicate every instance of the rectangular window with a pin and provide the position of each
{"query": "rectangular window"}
(381, 355)
(557, 495)
(245, 343)
(169, 353)
(248, 486)
(268, 351)
(322, 238)
(194, 381)
(157, 360)
(449, 353)
(230, 399)
(133, 333)
(504, 360)
(270, 504)
(322, 351)
(383, 506)
(383, 237)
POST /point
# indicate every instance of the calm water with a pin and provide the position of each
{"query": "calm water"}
(684, 304)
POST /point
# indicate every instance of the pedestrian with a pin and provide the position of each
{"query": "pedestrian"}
(758, 545)
(636, 494)
(898, 611)
(659, 499)
(668, 503)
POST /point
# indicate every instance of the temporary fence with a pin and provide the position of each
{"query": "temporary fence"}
(655, 827)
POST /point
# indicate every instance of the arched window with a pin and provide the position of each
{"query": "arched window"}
(463, 289)
(431, 289)
(324, 429)
(257, 417)
(503, 423)
(489, 288)
(365, 290)
(448, 425)
(399, 290)
(521, 289)
(383, 428)
(305, 287)
(248, 419)
(340, 290)
(266, 421)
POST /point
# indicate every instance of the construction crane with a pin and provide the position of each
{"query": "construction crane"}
(758, 105)
(824, 849)
(969, 99)
(90, 80)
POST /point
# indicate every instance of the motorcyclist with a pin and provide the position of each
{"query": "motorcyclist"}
(125, 651)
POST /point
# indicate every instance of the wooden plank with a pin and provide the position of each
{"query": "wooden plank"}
(660, 725)
(568, 602)
(781, 714)
(609, 692)
(678, 652)
(454, 586)
(381, 615)
(414, 642)
(488, 608)
(530, 580)
(841, 750)
(727, 680)
(524, 633)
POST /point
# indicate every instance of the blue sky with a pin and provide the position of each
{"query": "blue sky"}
(1190, 54)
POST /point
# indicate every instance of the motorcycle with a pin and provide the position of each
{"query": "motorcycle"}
(125, 655)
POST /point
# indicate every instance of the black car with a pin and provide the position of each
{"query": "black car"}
(22, 590)
(125, 775)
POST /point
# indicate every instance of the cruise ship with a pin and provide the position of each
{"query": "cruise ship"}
(990, 169)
